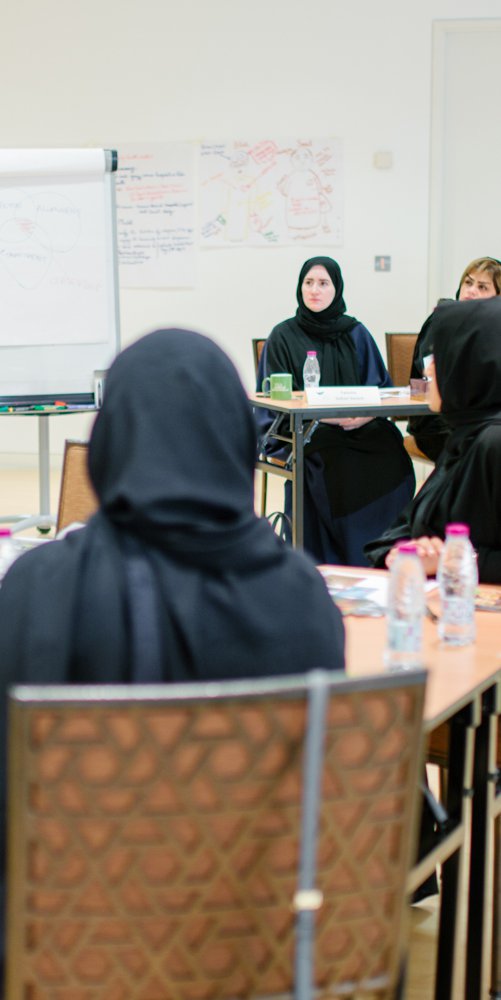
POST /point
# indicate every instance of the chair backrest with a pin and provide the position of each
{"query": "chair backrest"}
(399, 352)
(77, 500)
(155, 836)
(257, 350)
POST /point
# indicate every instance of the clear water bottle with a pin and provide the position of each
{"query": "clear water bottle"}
(405, 611)
(457, 581)
(9, 551)
(311, 371)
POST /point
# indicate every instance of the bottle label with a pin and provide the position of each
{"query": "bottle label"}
(405, 635)
(457, 610)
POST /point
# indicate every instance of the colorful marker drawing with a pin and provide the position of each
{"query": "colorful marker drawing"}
(271, 193)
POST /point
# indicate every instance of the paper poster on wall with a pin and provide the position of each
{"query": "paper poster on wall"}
(156, 215)
(271, 193)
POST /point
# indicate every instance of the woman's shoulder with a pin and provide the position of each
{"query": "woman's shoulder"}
(41, 561)
(283, 329)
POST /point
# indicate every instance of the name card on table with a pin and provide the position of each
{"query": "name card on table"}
(340, 395)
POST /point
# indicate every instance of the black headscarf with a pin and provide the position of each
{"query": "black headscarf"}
(329, 323)
(327, 332)
(159, 460)
(466, 483)
(466, 339)
(172, 461)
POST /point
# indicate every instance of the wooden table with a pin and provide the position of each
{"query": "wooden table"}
(463, 692)
(397, 406)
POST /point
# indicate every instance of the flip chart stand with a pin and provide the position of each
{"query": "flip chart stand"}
(44, 520)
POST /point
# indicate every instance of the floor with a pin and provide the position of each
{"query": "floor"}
(19, 494)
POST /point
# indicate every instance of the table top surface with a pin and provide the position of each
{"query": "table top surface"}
(394, 402)
(455, 674)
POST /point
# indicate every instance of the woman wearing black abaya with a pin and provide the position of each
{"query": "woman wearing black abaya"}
(174, 578)
(465, 485)
(172, 462)
(358, 475)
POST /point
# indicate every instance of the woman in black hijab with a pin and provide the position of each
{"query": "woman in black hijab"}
(466, 483)
(174, 578)
(358, 475)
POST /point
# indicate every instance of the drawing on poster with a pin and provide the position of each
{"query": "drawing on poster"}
(156, 215)
(271, 193)
(37, 232)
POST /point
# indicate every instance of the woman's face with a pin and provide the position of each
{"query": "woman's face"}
(477, 285)
(434, 397)
(317, 289)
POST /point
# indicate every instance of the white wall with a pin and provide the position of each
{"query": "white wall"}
(94, 73)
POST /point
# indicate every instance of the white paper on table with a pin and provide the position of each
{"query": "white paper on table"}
(373, 588)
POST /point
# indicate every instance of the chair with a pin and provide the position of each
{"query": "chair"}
(77, 500)
(268, 460)
(257, 350)
(163, 840)
(399, 354)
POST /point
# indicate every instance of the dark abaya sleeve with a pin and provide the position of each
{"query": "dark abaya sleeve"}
(377, 550)
(430, 433)
(373, 370)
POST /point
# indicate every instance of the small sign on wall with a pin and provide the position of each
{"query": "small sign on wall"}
(382, 263)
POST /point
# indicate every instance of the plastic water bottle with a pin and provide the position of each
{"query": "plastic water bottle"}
(9, 551)
(405, 611)
(457, 581)
(311, 371)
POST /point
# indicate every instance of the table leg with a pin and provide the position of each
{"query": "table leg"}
(449, 956)
(44, 519)
(495, 990)
(297, 481)
(483, 828)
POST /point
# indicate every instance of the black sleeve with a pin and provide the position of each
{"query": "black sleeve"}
(430, 433)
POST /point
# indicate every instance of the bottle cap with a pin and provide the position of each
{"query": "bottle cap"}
(458, 530)
(311, 354)
(5, 533)
(408, 548)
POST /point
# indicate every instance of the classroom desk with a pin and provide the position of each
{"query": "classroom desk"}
(397, 406)
(464, 691)
(44, 519)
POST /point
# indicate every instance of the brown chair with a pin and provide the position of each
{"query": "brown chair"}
(77, 500)
(399, 353)
(168, 841)
(257, 350)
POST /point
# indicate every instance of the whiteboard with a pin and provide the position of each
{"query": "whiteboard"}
(59, 315)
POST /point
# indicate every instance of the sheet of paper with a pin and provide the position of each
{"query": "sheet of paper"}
(358, 594)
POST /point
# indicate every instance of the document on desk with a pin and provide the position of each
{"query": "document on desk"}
(359, 595)
(343, 395)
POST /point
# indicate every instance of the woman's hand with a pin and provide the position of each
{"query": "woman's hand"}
(429, 550)
(348, 423)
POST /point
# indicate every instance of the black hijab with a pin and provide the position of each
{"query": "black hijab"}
(328, 324)
(159, 460)
(328, 333)
(466, 341)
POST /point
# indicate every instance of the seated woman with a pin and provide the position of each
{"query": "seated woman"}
(481, 279)
(174, 578)
(358, 475)
(465, 485)
(171, 459)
